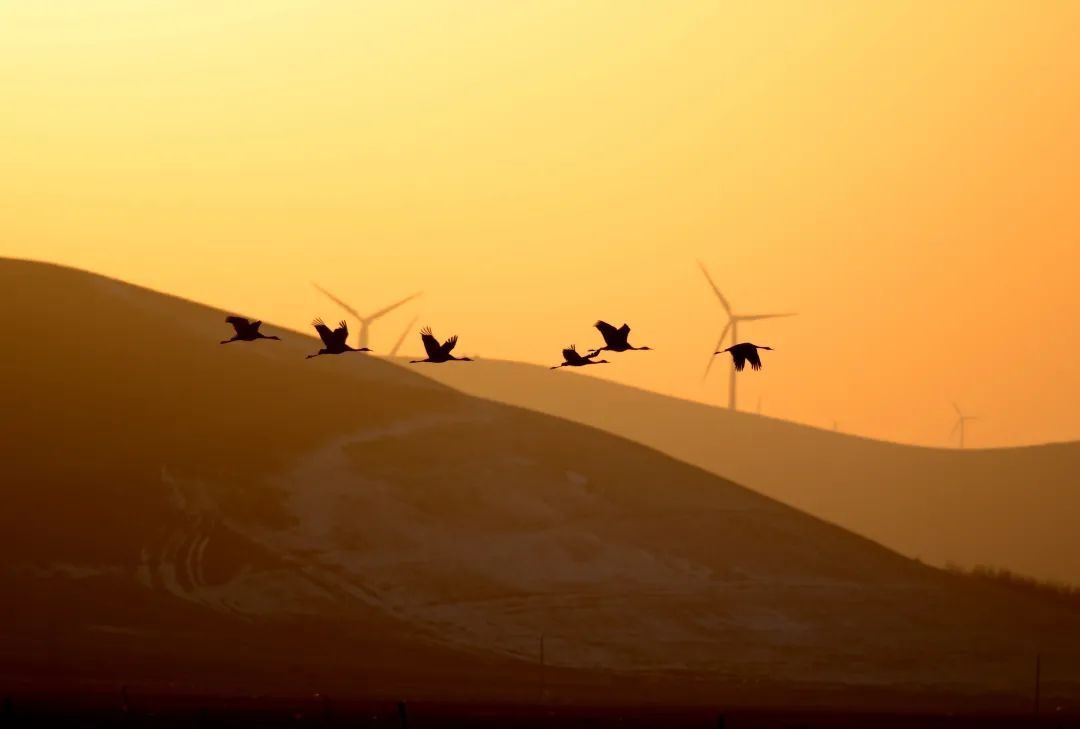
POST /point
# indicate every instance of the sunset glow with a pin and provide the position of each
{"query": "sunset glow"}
(904, 175)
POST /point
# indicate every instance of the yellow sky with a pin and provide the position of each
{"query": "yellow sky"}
(904, 174)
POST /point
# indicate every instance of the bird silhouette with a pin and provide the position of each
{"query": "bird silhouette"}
(334, 341)
(744, 352)
(246, 331)
(436, 352)
(616, 340)
(574, 359)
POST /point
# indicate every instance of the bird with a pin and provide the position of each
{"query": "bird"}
(436, 352)
(334, 341)
(246, 331)
(574, 359)
(741, 353)
(615, 340)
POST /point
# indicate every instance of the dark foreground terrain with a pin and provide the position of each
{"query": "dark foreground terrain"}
(323, 711)
(189, 520)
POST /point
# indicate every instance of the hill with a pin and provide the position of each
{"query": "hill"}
(1012, 507)
(236, 518)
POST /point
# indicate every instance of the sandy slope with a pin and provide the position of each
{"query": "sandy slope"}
(1013, 507)
(180, 509)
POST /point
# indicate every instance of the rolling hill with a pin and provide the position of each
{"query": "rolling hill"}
(1012, 507)
(236, 518)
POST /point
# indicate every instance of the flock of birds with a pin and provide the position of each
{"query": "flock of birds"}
(335, 341)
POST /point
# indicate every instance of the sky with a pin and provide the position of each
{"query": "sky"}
(904, 174)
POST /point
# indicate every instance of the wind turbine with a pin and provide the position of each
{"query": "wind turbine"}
(961, 419)
(365, 321)
(401, 339)
(732, 326)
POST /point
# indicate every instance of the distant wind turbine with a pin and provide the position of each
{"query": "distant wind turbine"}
(365, 321)
(401, 339)
(961, 421)
(732, 326)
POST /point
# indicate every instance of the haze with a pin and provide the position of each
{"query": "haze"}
(902, 174)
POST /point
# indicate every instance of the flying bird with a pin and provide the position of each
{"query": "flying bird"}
(436, 352)
(733, 325)
(334, 341)
(246, 331)
(616, 340)
(741, 353)
(574, 359)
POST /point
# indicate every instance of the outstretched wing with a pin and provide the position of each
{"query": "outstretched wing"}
(325, 334)
(341, 334)
(431, 345)
(570, 354)
(755, 360)
(449, 344)
(255, 325)
(239, 323)
(611, 335)
(624, 331)
(738, 356)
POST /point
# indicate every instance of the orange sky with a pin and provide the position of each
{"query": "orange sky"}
(904, 174)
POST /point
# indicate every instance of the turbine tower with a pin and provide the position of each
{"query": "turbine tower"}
(961, 420)
(365, 321)
(732, 326)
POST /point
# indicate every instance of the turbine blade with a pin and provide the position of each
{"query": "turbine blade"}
(709, 365)
(756, 317)
(401, 339)
(336, 300)
(715, 288)
(727, 327)
(957, 409)
(387, 310)
(955, 428)
(723, 334)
